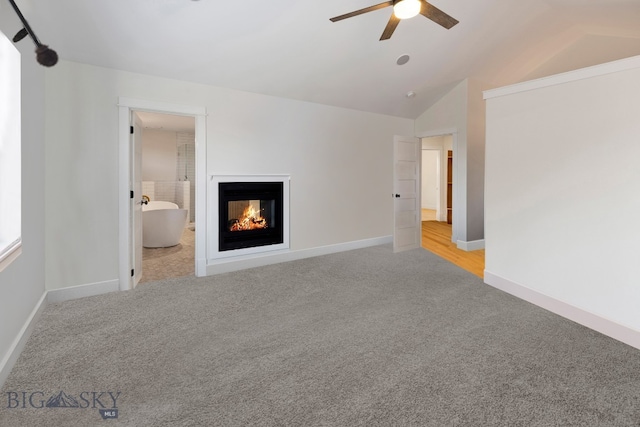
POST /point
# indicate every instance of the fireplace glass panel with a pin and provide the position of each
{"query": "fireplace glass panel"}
(250, 214)
(245, 215)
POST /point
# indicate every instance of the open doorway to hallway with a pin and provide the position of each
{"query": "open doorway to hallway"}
(437, 205)
(436, 175)
(167, 167)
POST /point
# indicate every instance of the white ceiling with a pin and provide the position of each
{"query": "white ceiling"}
(289, 48)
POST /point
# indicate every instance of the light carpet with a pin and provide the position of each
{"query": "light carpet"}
(360, 338)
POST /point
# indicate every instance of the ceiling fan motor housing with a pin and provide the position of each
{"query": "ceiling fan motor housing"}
(413, 7)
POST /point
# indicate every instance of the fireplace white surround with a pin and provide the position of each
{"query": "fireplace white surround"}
(232, 260)
(215, 255)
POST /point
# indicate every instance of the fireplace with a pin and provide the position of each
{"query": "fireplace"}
(251, 214)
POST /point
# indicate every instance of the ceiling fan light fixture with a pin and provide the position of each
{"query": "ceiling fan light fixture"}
(405, 9)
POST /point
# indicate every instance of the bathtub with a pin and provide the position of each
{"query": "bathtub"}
(162, 224)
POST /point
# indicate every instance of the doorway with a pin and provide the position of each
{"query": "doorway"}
(436, 175)
(437, 191)
(131, 192)
(167, 176)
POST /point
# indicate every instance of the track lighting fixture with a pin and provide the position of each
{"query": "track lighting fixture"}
(44, 55)
(20, 35)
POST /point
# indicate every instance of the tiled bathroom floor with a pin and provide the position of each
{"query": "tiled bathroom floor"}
(164, 263)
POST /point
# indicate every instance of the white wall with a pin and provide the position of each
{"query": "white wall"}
(475, 162)
(22, 282)
(429, 187)
(340, 162)
(563, 191)
(159, 155)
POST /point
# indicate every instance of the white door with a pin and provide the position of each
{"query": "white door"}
(136, 201)
(406, 193)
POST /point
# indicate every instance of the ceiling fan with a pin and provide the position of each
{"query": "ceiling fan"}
(404, 9)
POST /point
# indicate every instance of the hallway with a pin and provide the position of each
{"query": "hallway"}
(436, 237)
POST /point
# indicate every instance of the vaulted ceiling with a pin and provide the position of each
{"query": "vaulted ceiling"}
(289, 48)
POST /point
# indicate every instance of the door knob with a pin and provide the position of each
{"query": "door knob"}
(397, 195)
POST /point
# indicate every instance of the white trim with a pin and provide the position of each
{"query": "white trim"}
(6, 365)
(228, 265)
(201, 195)
(570, 76)
(125, 106)
(11, 254)
(124, 161)
(161, 107)
(473, 245)
(441, 132)
(459, 190)
(81, 291)
(593, 321)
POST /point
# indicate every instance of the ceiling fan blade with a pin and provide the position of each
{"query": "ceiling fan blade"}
(361, 11)
(436, 15)
(390, 28)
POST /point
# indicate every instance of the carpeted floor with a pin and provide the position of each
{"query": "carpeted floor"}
(361, 338)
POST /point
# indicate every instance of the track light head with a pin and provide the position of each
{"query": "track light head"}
(45, 56)
(20, 35)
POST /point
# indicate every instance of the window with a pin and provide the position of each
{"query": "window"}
(10, 170)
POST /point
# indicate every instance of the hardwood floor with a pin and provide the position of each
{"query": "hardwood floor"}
(436, 237)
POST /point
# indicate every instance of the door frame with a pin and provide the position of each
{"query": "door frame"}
(459, 184)
(125, 251)
(135, 175)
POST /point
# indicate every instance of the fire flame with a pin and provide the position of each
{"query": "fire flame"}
(250, 220)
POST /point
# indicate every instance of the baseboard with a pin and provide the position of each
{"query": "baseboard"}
(51, 296)
(6, 365)
(603, 325)
(473, 245)
(227, 265)
(201, 267)
(89, 290)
